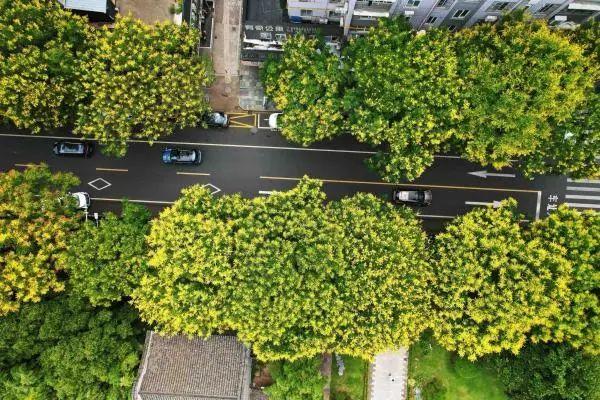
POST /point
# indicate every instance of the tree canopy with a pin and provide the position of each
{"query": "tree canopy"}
(106, 262)
(307, 84)
(404, 95)
(493, 285)
(40, 46)
(36, 219)
(141, 81)
(291, 276)
(62, 348)
(521, 79)
(549, 372)
(298, 380)
(577, 235)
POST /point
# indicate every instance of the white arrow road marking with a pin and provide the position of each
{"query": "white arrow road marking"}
(484, 174)
(584, 180)
(494, 203)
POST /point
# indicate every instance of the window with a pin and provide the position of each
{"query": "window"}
(500, 6)
(413, 3)
(547, 8)
(306, 13)
(452, 28)
(430, 20)
(443, 3)
(460, 14)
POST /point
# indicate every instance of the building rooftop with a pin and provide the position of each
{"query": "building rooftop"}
(265, 11)
(181, 368)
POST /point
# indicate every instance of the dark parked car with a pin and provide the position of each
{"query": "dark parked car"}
(415, 197)
(181, 156)
(217, 119)
(76, 149)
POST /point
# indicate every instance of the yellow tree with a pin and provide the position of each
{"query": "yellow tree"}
(142, 81)
(36, 219)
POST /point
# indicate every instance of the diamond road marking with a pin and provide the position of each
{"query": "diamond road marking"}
(99, 184)
(214, 189)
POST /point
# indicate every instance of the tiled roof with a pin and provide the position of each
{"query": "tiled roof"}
(177, 368)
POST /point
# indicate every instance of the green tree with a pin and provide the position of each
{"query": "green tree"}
(493, 285)
(34, 227)
(404, 95)
(141, 81)
(549, 372)
(23, 382)
(521, 80)
(40, 45)
(307, 84)
(106, 262)
(66, 346)
(578, 236)
(298, 380)
(270, 268)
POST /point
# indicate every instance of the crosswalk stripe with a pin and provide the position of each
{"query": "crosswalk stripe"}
(583, 205)
(583, 180)
(582, 197)
(583, 189)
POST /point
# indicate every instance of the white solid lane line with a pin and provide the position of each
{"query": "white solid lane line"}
(583, 205)
(583, 180)
(582, 197)
(583, 189)
(241, 146)
(193, 173)
(265, 192)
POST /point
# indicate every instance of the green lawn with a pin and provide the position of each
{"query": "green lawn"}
(351, 385)
(442, 375)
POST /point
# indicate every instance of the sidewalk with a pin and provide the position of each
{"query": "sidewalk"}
(389, 375)
(225, 54)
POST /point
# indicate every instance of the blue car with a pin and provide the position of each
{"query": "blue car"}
(181, 156)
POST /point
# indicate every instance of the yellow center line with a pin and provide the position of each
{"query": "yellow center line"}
(112, 169)
(193, 173)
(282, 178)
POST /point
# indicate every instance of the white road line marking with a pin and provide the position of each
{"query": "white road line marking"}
(494, 203)
(242, 146)
(132, 200)
(25, 165)
(583, 189)
(112, 169)
(193, 173)
(266, 192)
(583, 205)
(583, 180)
(538, 205)
(436, 216)
(581, 197)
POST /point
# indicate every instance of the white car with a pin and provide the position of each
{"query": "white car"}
(82, 200)
(273, 121)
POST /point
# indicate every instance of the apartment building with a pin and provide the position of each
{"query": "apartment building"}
(356, 16)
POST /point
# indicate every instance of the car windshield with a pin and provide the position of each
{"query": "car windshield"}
(71, 148)
(216, 118)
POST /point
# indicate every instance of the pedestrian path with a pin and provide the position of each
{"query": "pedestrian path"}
(583, 193)
(389, 373)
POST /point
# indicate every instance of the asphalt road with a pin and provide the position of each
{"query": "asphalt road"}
(255, 164)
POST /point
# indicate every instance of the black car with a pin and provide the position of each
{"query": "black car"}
(75, 149)
(181, 156)
(217, 119)
(415, 197)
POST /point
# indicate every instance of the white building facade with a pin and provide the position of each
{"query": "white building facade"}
(356, 16)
